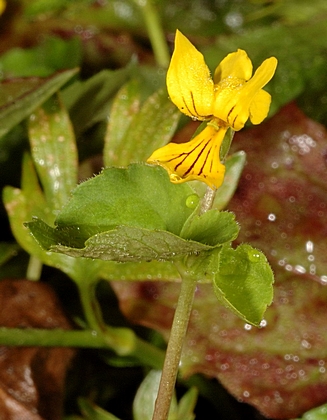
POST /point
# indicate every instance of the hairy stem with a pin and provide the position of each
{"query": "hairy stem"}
(207, 200)
(174, 349)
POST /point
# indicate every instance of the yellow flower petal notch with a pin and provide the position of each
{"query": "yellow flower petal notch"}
(227, 101)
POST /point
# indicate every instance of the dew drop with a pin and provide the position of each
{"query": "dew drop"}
(323, 280)
(309, 246)
(254, 256)
(192, 201)
(263, 323)
(305, 344)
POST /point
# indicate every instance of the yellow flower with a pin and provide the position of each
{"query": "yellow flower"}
(226, 101)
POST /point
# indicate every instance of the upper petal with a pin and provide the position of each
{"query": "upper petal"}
(234, 100)
(236, 64)
(189, 82)
(259, 107)
(262, 76)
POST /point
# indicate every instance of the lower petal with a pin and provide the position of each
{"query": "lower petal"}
(196, 160)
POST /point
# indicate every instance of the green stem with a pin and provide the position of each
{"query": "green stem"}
(91, 307)
(26, 337)
(207, 200)
(155, 32)
(174, 349)
(264, 11)
(34, 269)
(122, 340)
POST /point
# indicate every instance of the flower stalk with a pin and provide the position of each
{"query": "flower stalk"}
(175, 345)
(208, 199)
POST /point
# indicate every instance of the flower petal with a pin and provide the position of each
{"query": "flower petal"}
(233, 100)
(189, 82)
(262, 76)
(259, 107)
(236, 64)
(196, 160)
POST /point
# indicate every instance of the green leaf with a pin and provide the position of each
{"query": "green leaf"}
(139, 271)
(91, 411)
(318, 413)
(211, 228)
(243, 282)
(21, 208)
(51, 55)
(146, 395)
(7, 251)
(234, 168)
(123, 244)
(20, 97)
(133, 214)
(138, 196)
(126, 104)
(54, 151)
(22, 205)
(95, 95)
(145, 130)
(187, 404)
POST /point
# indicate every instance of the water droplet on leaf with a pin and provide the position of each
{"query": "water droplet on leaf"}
(254, 256)
(192, 201)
